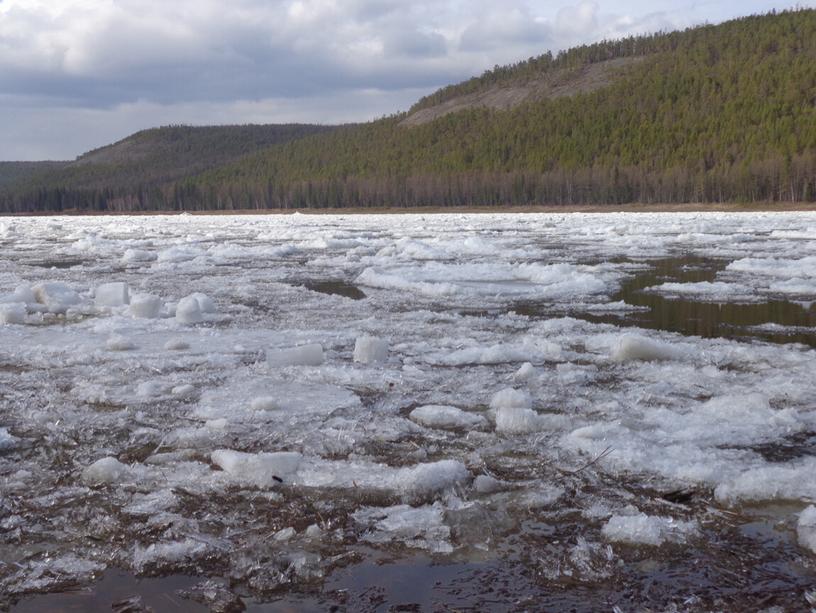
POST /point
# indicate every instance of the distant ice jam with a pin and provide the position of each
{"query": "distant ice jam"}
(532, 412)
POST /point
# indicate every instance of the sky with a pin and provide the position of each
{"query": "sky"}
(79, 74)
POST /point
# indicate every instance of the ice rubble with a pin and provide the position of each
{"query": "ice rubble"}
(12, 313)
(191, 413)
(165, 554)
(267, 470)
(419, 527)
(641, 529)
(105, 471)
(436, 416)
(56, 297)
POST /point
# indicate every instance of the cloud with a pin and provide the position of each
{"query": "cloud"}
(107, 57)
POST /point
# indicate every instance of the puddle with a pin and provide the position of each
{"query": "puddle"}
(114, 587)
(59, 264)
(336, 288)
(696, 317)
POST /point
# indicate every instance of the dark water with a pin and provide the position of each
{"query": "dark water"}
(113, 588)
(696, 317)
(59, 264)
(752, 564)
(335, 287)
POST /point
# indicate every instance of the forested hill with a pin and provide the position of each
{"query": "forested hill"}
(135, 170)
(710, 114)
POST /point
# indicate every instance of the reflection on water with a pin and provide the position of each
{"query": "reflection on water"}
(696, 317)
(112, 590)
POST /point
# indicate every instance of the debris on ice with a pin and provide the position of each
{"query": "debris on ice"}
(261, 469)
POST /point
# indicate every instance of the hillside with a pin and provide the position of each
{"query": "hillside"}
(513, 92)
(12, 173)
(711, 114)
(137, 165)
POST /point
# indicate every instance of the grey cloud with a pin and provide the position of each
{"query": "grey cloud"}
(108, 56)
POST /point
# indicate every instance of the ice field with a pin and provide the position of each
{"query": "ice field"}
(517, 412)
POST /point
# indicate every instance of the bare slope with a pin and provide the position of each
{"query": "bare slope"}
(558, 84)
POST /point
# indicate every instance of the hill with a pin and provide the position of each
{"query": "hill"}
(12, 173)
(131, 170)
(710, 114)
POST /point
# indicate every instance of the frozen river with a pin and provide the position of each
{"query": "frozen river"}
(505, 412)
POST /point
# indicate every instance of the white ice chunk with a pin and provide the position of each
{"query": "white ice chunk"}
(514, 414)
(264, 403)
(305, 355)
(161, 554)
(257, 469)
(188, 311)
(117, 342)
(789, 481)
(176, 344)
(112, 294)
(642, 529)
(132, 256)
(419, 527)
(806, 528)
(145, 306)
(632, 347)
(525, 373)
(205, 303)
(513, 420)
(368, 349)
(150, 389)
(56, 297)
(511, 398)
(485, 484)
(438, 416)
(183, 390)
(12, 313)
(7, 441)
(105, 471)
(286, 534)
(175, 255)
(22, 293)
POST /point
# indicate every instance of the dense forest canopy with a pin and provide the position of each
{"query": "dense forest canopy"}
(710, 114)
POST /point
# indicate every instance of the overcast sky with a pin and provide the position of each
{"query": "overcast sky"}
(78, 74)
